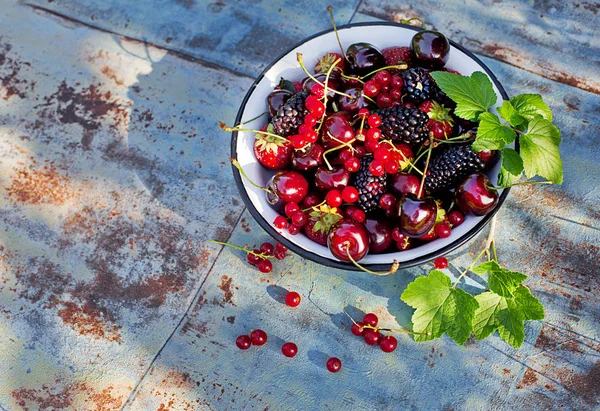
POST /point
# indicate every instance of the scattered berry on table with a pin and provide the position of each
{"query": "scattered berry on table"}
(334, 364)
(357, 329)
(292, 299)
(258, 337)
(440, 263)
(265, 266)
(371, 336)
(289, 349)
(388, 343)
(243, 342)
(370, 319)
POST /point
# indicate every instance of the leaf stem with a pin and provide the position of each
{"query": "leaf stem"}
(523, 183)
(485, 250)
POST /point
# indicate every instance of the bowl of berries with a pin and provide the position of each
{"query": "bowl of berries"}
(374, 154)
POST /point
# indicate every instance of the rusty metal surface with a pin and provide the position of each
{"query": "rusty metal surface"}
(114, 175)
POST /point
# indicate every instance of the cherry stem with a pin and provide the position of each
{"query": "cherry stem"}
(252, 119)
(523, 183)
(330, 10)
(407, 21)
(237, 247)
(224, 127)
(237, 165)
(370, 99)
(392, 270)
(408, 162)
(402, 66)
(313, 78)
(352, 78)
(488, 243)
(325, 92)
(429, 150)
(336, 148)
(315, 206)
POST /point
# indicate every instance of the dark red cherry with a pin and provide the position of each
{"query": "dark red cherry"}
(380, 234)
(276, 99)
(431, 48)
(325, 180)
(364, 58)
(416, 217)
(347, 236)
(404, 184)
(474, 196)
(289, 186)
(355, 102)
(305, 160)
(339, 127)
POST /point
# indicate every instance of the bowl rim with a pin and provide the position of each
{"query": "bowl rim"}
(265, 225)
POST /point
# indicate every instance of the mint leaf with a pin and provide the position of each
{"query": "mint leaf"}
(473, 95)
(501, 281)
(509, 113)
(531, 106)
(440, 308)
(511, 169)
(492, 135)
(539, 150)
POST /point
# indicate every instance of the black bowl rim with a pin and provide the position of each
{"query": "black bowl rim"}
(340, 264)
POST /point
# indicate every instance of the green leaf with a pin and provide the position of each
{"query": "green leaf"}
(509, 113)
(473, 95)
(539, 150)
(440, 308)
(511, 169)
(530, 306)
(287, 85)
(531, 106)
(501, 281)
(484, 321)
(492, 135)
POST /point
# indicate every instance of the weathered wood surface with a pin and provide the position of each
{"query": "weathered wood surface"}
(114, 175)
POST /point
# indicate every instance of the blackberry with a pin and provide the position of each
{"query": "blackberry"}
(419, 86)
(450, 167)
(370, 188)
(290, 115)
(404, 125)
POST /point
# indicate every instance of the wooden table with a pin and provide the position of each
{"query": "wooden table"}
(114, 175)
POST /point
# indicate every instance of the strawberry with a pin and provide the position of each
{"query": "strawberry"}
(440, 121)
(325, 62)
(272, 152)
(396, 55)
(320, 222)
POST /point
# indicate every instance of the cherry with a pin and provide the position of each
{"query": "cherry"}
(357, 329)
(332, 84)
(291, 209)
(258, 337)
(416, 217)
(243, 342)
(336, 178)
(474, 196)
(364, 58)
(371, 319)
(348, 237)
(289, 186)
(292, 299)
(405, 244)
(265, 266)
(380, 235)
(388, 343)
(338, 126)
(280, 222)
(267, 248)
(371, 336)
(404, 184)
(355, 102)
(334, 364)
(309, 159)
(289, 349)
(431, 48)
(440, 263)
(387, 201)
(455, 218)
(349, 194)
(276, 99)
(299, 219)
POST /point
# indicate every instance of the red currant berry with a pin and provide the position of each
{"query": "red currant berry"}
(371, 145)
(356, 214)
(384, 100)
(334, 198)
(371, 336)
(313, 105)
(293, 229)
(397, 235)
(297, 141)
(334, 364)
(304, 128)
(373, 133)
(382, 77)
(280, 247)
(376, 168)
(440, 263)
(455, 218)
(311, 200)
(396, 82)
(310, 120)
(360, 151)
(371, 319)
(265, 266)
(349, 194)
(267, 248)
(352, 164)
(374, 120)
(345, 154)
(396, 94)
(280, 222)
(392, 167)
(252, 258)
(387, 201)
(258, 337)
(443, 230)
(310, 136)
(289, 349)
(317, 90)
(243, 342)
(292, 299)
(382, 154)
(299, 219)
(409, 104)
(388, 343)
(363, 112)
(291, 209)
(357, 329)
(371, 88)
(280, 255)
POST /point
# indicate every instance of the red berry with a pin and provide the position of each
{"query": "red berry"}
(387, 201)
(392, 167)
(293, 229)
(352, 164)
(311, 200)
(396, 94)
(292, 299)
(267, 248)
(310, 136)
(363, 112)
(455, 218)
(334, 198)
(280, 222)
(440, 263)
(279, 254)
(443, 230)
(371, 145)
(253, 259)
(374, 120)
(258, 337)
(265, 266)
(310, 120)
(299, 219)
(384, 100)
(426, 106)
(405, 244)
(345, 154)
(388, 343)
(357, 329)
(382, 77)
(289, 349)
(356, 214)
(371, 319)
(360, 151)
(349, 194)
(297, 141)
(243, 342)
(291, 209)
(334, 364)
(315, 106)
(371, 336)
(397, 235)
(396, 82)
(317, 90)
(373, 133)
(280, 247)
(382, 154)
(371, 88)
(376, 168)
(304, 128)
